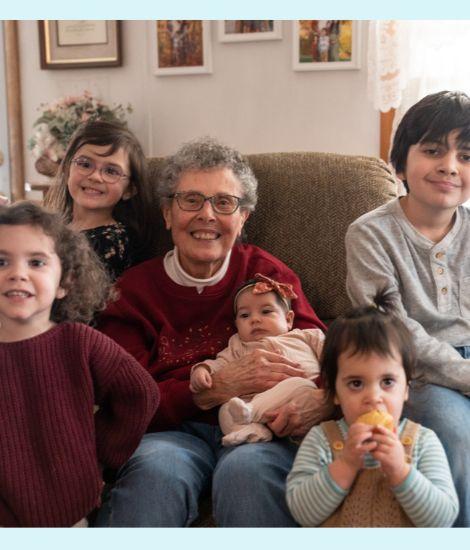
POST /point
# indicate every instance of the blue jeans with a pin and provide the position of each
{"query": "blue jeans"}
(447, 412)
(161, 483)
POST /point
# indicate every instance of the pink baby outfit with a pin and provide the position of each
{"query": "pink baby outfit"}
(244, 423)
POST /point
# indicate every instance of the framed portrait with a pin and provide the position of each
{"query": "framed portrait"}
(326, 44)
(181, 47)
(70, 44)
(245, 30)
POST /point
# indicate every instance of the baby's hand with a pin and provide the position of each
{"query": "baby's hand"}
(391, 454)
(201, 379)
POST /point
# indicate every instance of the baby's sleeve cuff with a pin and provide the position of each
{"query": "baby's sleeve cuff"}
(204, 365)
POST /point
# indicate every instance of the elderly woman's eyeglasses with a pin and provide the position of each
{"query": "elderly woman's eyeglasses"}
(110, 173)
(192, 201)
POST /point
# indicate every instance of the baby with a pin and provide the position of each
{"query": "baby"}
(264, 320)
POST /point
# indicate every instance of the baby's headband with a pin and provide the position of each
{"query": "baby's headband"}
(262, 284)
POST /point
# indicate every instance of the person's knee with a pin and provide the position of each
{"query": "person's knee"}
(152, 460)
(252, 465)
(160, 461)
(249, 486)
(244, 462)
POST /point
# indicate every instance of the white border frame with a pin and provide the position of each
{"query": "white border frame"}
(275, 34)
(355, 62)
(170, 71)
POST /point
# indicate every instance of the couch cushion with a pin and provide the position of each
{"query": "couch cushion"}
(306, 202)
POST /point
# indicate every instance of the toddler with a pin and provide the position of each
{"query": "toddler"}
(55, 370)
(264, 320)
(103, 190)
(351, 474)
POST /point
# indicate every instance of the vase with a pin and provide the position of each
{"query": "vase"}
(47, 167)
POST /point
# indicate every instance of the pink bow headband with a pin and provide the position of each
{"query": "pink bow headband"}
(264, 284)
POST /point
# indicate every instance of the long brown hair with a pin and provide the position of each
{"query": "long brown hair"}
(136, 212)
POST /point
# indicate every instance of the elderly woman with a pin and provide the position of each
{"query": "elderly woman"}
(178, 310)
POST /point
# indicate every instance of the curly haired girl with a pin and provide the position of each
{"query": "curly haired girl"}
(55, 371)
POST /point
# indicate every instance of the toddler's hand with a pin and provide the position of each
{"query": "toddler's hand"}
(358, 442)
(201, 379)
(391, 454)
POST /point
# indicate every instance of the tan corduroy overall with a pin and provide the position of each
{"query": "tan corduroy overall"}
(370, 502)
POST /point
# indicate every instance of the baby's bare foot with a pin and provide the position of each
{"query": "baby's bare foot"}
(240, 411)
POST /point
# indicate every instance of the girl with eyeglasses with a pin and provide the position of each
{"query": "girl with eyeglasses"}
(102, 189)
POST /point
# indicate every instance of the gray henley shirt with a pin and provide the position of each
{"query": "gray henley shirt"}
(430, 283)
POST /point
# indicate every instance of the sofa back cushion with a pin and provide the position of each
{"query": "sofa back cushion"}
(306, 202)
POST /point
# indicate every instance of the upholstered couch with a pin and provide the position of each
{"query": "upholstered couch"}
(306, 202)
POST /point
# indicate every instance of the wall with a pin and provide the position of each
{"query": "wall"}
(253, 99)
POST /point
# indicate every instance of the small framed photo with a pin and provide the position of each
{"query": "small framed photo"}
(73, 44)
(245, 30)
(326, 44)
(181, 47)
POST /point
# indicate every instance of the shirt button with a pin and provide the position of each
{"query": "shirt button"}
(338, 445)
(440, 255)
(444, 290)
(440, 270)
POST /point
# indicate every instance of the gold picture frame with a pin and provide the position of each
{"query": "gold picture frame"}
(74, 44)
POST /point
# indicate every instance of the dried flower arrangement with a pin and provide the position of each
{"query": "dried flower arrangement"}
(59, 120)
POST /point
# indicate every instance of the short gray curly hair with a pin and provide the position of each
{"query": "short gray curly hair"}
(207, 153)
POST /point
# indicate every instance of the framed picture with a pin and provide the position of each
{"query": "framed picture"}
(245, 30)
(181, 47)
(326, 44)
(70, 44)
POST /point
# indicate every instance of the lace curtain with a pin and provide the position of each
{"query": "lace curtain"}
(410, 59)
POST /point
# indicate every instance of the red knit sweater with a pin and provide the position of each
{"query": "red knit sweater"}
(168, 327)
(51, 443)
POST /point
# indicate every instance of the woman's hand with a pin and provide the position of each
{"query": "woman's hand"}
(253, 373)
(307, 408)
(391, 454)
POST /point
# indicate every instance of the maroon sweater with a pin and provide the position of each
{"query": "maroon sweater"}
(168, 327)
(51, 443)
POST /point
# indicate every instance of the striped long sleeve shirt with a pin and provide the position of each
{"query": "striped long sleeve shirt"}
(427, 495)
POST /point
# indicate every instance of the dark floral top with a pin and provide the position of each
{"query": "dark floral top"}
(112, 244)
